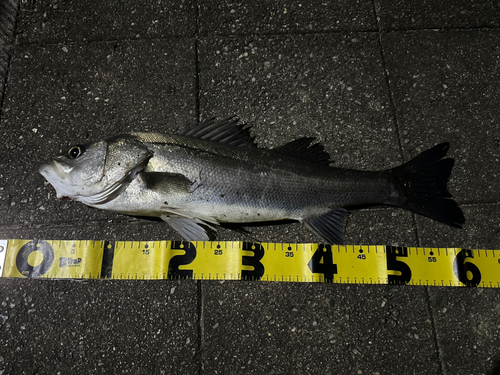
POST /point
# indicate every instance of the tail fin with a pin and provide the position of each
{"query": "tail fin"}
(421, 187)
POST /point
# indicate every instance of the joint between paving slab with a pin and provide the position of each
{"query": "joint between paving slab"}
(438, 29)
(434, 332)
(197, 63)
(42, 43)
(201, 327)
(484, 203)
(8, 19)
(392, 105)
(289, 33)
(199, 287)
(386, 76)
(197, 80)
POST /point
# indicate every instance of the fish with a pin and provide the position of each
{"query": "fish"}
(214, 175)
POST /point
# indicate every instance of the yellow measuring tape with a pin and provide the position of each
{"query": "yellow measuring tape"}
(249, 261)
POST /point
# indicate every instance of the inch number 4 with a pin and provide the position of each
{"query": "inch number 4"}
(322, 262)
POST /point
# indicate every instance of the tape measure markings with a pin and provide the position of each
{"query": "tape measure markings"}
(3, 253)
(107, 260)
(250, 261)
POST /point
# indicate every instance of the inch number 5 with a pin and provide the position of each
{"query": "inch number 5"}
(401, 272)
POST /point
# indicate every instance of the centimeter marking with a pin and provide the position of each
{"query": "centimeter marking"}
(279, 262)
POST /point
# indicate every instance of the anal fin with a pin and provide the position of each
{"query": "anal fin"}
(329, 226)
(191, 229)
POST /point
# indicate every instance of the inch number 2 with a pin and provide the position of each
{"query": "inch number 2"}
(181, 260)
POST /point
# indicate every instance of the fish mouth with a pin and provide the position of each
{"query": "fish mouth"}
(53, 173)
(57, 174)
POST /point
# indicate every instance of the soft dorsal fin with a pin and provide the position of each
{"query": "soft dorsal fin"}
(224, 131)
(301, 148)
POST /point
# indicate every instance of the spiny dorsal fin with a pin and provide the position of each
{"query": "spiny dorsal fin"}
(224, 131)
(301, 148)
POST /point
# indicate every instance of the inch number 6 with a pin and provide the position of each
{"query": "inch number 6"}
(467, 272)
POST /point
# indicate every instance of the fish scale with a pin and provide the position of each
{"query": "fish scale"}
(280, 182)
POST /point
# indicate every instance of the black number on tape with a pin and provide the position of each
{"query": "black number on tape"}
(181, 260)
(322, 262)
(29, 270)
(466, 272)
(253, 260)
(393, 264)
(107, 260)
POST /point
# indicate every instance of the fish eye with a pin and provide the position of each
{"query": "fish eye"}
(76, 151)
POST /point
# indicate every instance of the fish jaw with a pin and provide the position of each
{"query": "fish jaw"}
(54, 174)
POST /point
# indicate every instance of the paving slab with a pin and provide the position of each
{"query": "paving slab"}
(444, 89)
(60, 95)
(328, 86)
(50, 21)
(386, 226)
(481, 231)
(95, 327)
(119, 228)
(284, 16)
(468, 329)
(256, 328)
(429, 14)
(8, 16)
(467, 321)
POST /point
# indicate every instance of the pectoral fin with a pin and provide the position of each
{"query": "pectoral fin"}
(330, 226)
(167, 182)
(191, 229)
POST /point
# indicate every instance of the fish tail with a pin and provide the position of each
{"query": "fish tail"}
(421, 187)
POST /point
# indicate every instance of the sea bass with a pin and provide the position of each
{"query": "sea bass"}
(215, 174)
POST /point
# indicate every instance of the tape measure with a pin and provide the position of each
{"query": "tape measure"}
(249, 261)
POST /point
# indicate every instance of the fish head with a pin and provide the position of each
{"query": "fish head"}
(96, 173)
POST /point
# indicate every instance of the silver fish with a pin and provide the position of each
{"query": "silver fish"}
(214, 174)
